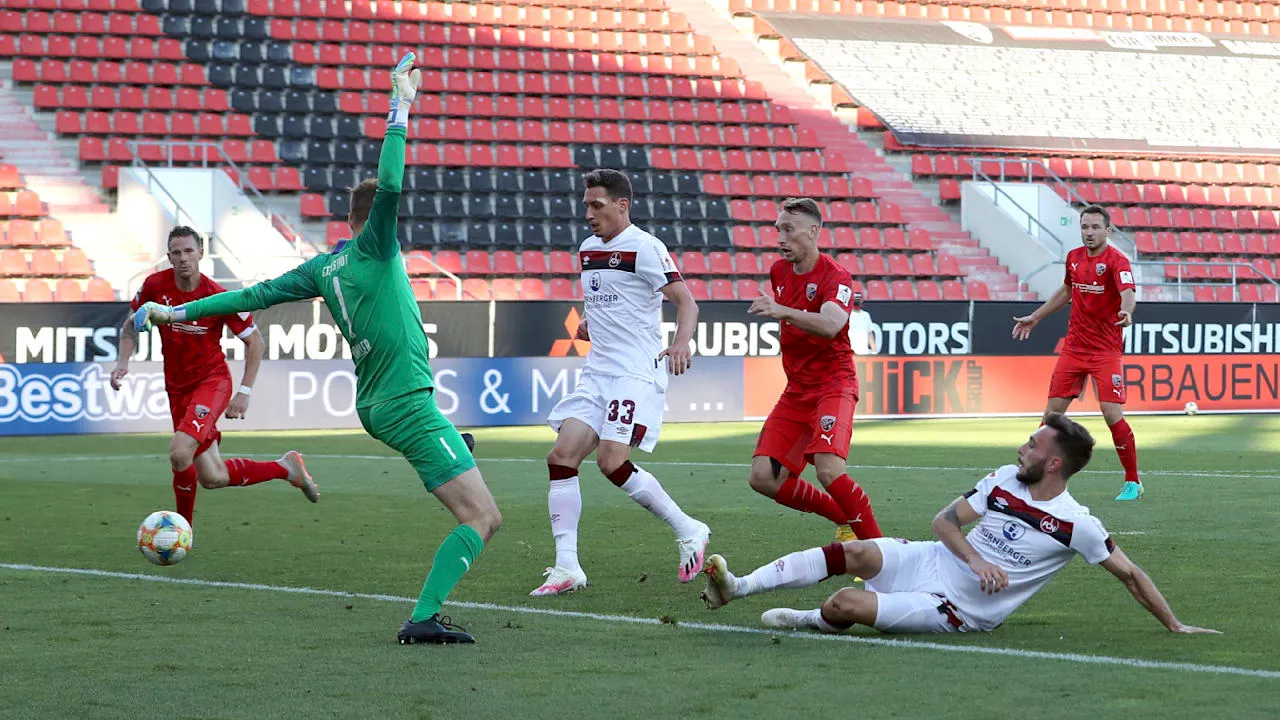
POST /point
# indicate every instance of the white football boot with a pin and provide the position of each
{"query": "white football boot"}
(722, 586)
(560, 581)
(788, 619)
(693, 550)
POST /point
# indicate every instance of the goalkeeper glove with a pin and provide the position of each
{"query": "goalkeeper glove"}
(149, 313)
(404, 86)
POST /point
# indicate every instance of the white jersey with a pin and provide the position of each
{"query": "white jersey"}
(621, 283)
(861, 332)
(1030, 540)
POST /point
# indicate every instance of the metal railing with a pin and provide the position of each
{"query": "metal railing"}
(284, 223)
(1033, 171)
(457, 281)
(998, 192)
(1184, 279)
(1184, 283)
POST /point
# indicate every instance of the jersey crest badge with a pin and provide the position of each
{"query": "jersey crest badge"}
(202, 412)
(827, 422)
(811, 291)
(1049, 525)
(1101, 268)
(1117, 380)
(595, 282)
(615, 260)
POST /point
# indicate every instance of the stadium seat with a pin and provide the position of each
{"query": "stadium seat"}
(34, 291)
(722, 290)
(560, 289)
(68, 290)
(533, 289)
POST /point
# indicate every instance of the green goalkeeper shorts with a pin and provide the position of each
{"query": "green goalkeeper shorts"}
(413, 426)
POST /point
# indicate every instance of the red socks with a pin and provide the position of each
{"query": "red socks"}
(800, 495)
(834, 554)
(856, 506)
(184, 491)
(622, 474)
(1127, 449)
(251, 472)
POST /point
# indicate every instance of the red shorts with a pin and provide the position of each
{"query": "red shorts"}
(196, 411)
(1071, 372)
(803, 426)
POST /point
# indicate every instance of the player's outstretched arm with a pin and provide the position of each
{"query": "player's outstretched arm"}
(297, 284)
(948, 526)
(378, 237)
(1023, 325)
(1145, 592)
(679, 357)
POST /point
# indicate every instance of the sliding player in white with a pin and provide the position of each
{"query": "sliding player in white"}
(1028, 528)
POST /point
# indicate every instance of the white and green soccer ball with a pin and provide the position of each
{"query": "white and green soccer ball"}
(164, 537)
(1191, 408)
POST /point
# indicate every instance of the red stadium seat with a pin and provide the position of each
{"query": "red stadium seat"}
(37, 291)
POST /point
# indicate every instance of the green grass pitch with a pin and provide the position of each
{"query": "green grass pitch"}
(635, 643)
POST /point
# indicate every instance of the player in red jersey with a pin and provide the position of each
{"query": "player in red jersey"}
(198, 381)
(1099, 285)
(810, 295)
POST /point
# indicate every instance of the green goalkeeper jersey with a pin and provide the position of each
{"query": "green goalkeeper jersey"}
(365, 286)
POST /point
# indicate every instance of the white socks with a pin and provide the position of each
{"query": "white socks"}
(797, 570)
(645, 489)
(564, 501)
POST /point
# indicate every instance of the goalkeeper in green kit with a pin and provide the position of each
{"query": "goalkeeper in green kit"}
(364, 284)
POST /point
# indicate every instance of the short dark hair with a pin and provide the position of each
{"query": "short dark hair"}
(616, 184)
(184, 231)
(1073, 440)
(803, 206)
(1097, 210)
(362, 200)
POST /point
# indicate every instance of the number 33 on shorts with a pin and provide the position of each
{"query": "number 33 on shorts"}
(619, 409)
(627, 414)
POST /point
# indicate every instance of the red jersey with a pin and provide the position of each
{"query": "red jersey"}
(811, 362)
(192, 349)
(1096, 284)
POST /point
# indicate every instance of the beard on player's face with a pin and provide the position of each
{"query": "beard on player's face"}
(1031, 473)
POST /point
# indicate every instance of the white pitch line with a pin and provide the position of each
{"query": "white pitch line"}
(662, 463)
(709, 627)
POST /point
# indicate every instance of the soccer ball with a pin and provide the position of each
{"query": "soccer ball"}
(1191, 408)
(164, 537)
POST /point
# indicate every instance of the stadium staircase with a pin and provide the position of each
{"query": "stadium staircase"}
(74, 222)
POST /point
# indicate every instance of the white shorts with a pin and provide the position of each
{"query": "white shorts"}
(620, 409)
(909, 592)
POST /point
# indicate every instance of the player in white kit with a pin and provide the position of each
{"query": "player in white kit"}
(621, 395)
(1028, 528)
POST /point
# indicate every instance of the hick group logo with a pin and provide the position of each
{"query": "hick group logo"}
(992, 385)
